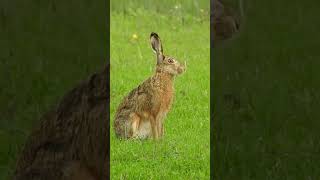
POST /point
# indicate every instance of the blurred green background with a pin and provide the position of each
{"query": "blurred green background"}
(266, 94)
(46, 48)
(184, 28)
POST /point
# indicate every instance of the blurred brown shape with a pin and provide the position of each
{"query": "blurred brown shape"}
(225, 22)
(72, 140)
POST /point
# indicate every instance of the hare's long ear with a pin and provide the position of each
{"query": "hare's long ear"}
(157, 46)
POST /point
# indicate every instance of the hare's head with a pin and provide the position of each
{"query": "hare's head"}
(224, 20)
(165, 64)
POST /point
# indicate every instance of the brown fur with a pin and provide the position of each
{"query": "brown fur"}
(72, 139)
(146, 106)
(225, 22)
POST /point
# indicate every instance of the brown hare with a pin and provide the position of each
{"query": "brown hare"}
(71, 142)
(142, 112)
(225, 22)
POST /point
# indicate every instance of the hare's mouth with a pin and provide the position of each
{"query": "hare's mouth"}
(181, 70)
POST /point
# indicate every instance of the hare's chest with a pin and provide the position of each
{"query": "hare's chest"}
(163, 94)
(165, 101)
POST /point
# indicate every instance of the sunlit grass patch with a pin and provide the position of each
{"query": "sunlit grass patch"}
(184, 152)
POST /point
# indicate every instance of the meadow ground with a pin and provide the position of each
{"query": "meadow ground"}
(266, 94)
(184, 152)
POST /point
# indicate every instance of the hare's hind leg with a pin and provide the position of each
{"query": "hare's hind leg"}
(144, 129)
(135, 123)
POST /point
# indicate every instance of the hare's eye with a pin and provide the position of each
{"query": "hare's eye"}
(170, 60)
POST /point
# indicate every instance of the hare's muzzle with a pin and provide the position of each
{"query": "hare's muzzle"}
(182, 68)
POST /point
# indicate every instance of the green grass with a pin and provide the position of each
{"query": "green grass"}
(272, 67)
(184, 152)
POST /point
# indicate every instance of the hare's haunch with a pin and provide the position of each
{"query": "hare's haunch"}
(141, 113)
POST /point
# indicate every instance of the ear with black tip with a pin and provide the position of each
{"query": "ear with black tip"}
(156, 46)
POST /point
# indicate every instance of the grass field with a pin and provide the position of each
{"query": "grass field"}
(184, 152)
(268, 125)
